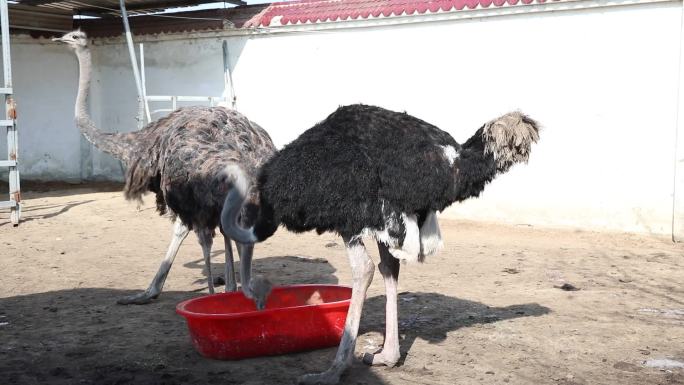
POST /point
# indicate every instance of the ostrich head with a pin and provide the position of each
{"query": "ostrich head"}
(260, 287)
(509, 139)
(75, 39)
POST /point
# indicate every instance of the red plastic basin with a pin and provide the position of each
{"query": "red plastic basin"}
(227, 326)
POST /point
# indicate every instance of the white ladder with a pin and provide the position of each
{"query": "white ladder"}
(9, 122)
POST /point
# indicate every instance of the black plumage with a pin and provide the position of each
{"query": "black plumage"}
(363, 164)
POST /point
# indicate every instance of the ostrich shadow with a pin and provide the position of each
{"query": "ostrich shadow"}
(34, 189)
(425, 315)
(32, 217)
(290, 270)
(81, 336)
(431, 316)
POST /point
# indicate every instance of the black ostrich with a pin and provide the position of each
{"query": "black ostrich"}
(187, 159)
(367, 171)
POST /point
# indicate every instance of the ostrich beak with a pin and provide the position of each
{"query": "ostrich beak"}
(260, 304)
(59, 39)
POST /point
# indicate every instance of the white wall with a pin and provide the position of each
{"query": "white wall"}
(602, 82)
(45, 83)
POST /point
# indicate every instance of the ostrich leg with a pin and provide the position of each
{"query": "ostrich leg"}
(389, 268)
(362, 275)
(230, 271)
(206, 240)
(180, 231)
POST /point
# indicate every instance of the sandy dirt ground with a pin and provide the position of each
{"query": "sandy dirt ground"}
(486, 310)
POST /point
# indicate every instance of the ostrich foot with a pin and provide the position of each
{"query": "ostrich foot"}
(138, 299)
(329, 377)
(383, 358)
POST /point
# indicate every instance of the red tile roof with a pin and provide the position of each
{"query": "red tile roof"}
(303, 11)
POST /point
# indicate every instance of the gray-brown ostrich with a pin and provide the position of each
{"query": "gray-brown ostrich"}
(187, 159)
(367, 171)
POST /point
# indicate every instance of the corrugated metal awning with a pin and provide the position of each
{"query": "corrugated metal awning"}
(111, 7)
(48, 17)
(214, 19)
(40, 19)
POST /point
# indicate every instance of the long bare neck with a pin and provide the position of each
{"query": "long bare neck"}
(474, 168)
(84, 74)
(111, 143)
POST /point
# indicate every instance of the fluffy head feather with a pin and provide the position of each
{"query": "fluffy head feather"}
(509, 139)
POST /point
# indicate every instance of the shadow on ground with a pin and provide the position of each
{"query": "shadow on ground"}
(80, 336)
(30, 188)
(288, 270)
(28, 214)
(431, 316)
(35, 190)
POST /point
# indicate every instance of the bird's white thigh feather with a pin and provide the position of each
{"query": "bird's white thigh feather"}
(430, 236)
(410, 248)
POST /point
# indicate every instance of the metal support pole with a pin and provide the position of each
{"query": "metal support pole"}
(227, 77)
(134, 63)
(7, 69)
(678, 187)
(144, 83)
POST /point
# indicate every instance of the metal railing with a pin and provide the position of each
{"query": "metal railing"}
(145, 113)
